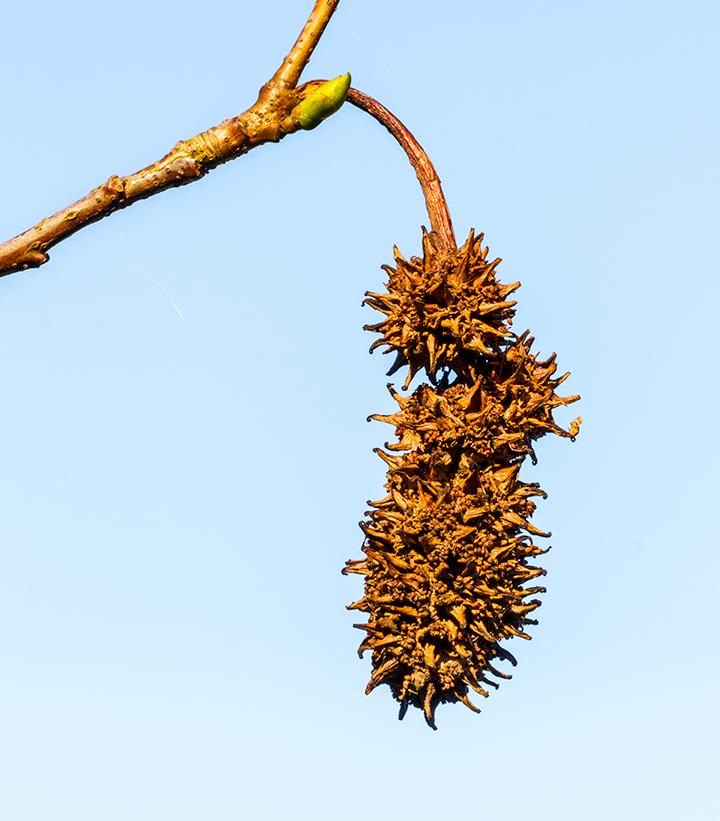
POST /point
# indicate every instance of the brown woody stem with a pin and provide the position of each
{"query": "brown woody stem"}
(271, 118)
(437, 208)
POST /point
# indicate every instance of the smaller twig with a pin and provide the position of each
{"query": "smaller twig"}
(437, 208)
(288, 74)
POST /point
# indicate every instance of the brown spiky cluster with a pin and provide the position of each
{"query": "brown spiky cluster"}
(448, 550)
(442, 309)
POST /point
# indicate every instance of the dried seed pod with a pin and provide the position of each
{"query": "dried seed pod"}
(448, 551)
(442, 308)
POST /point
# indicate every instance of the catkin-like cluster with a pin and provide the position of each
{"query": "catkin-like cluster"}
(448, 551)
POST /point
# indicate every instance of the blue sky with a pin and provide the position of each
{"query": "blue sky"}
(185, 454)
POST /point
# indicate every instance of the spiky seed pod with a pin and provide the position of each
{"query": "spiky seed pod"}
(442, 308)
(448, 550)
(506, 406)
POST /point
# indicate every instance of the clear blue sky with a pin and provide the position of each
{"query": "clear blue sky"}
(185, 455)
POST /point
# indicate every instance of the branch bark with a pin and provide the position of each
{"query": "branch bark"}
(271, 118)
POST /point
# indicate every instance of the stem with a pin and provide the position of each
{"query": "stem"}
(437, 208)
(288, 74)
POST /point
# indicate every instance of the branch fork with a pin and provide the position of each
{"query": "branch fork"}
(282, 108)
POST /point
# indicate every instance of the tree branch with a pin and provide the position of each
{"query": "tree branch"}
(280, 109)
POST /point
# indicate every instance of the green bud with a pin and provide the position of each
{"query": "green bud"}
(322, 101)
